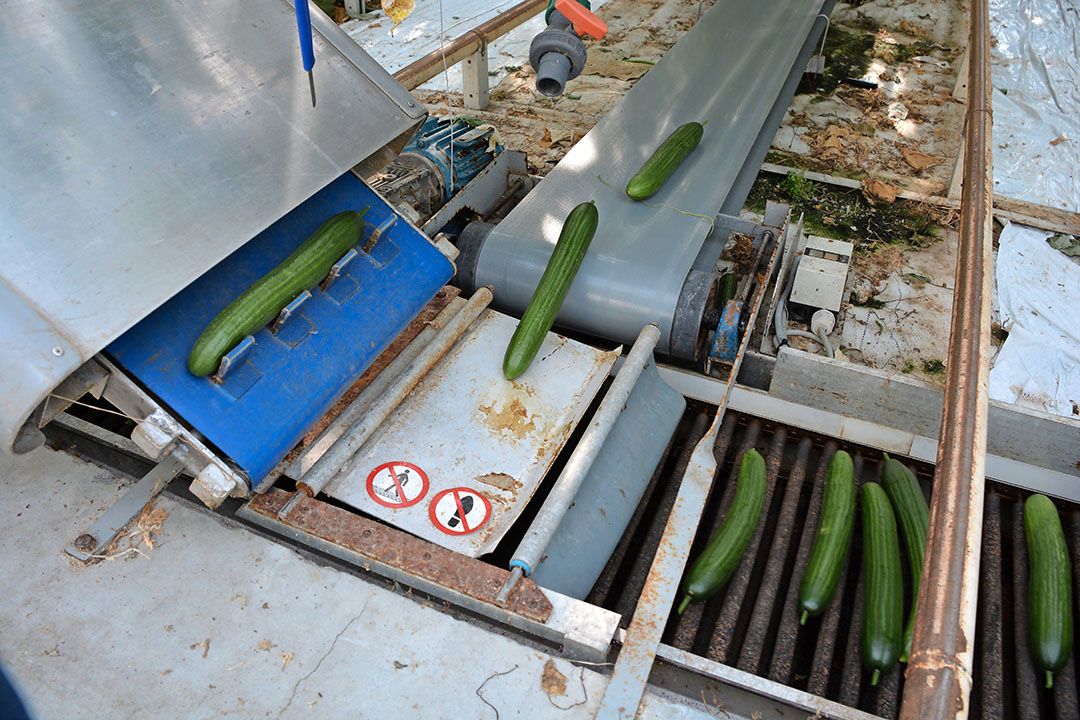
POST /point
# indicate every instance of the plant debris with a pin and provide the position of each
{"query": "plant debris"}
(552, 681)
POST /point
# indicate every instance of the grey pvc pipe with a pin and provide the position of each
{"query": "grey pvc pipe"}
(531, 548)
(346, 446)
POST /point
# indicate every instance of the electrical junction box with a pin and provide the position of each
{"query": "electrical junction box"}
(822, 273)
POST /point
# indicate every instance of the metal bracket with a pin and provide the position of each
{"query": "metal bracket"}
(336, 271)
(232, 358)
(90, 544)
(292, 308)
(384, 226)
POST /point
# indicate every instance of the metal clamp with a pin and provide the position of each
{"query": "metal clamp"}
(336, 271)
(233, 358)
(292, 308)
(381, 228)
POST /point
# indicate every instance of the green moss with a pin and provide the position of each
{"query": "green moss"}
(908, 366)
(933, 367)
(847, 54)
(872, 303)
(844, 213)
(797, 188)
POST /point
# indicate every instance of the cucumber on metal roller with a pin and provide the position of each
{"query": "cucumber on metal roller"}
(261, 302)
(914, 516)
(883, 592)
(715, 565)
(574, 239)
(832, 539)
(1050, 621)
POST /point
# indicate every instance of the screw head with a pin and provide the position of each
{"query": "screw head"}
(412, 103)
(58, 351)
(85, 542)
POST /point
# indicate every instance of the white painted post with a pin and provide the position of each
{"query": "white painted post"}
(474, 79)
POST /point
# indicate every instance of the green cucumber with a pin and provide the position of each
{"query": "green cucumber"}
(261, 302)
(577, 232)
(716, 564)
(883, 584)
(1050, 622)
(837, 522)
(658, 168)
(914, 516)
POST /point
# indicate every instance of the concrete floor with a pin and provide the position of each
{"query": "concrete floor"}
(214, 620)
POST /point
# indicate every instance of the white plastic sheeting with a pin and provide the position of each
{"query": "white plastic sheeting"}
(1039, 365)
(1035, 61)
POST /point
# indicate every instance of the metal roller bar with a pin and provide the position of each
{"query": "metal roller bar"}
(339, 454)
(939, 674)
(378, 387)
(530, 551)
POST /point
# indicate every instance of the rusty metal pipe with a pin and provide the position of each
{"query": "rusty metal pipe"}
(420, 71)
(940, 670)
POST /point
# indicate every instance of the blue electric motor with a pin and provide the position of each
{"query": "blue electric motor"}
(428, 172)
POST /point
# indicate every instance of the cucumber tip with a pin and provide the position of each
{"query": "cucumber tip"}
(875, 677)
(684, 604)
(1049, 680)
(802, 620)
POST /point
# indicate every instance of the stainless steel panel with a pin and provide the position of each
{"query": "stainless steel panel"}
(728, 71)
(141, 143)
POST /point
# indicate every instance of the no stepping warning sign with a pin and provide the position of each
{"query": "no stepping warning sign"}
(459, 511)
(397, 484)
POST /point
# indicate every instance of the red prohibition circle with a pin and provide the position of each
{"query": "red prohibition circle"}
(394, 467)
(465, 528)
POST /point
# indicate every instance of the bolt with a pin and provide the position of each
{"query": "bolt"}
(412, 103)
(58, 351)
(85, 542)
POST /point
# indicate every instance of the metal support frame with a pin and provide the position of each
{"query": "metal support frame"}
(420, 71)
(631, 674)
(90, 544)
(939, 673)
(584, 631)
(474, 79)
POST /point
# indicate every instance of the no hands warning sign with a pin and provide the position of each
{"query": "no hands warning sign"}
(459, 511)
(397, 484)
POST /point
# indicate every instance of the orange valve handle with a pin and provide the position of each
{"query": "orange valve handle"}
(583, 20)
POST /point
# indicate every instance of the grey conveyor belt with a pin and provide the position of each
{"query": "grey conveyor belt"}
(729, 71)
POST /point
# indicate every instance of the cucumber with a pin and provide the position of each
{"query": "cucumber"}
(883, 588)
(1050, 622)
(658, 168)
(577, 232)
(261, 302)
(833, 537)
(716, 564)
(914, 517)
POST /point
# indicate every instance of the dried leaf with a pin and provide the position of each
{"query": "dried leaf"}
(552, 681)
(876, 190)
(1058, 140)
(265, 645)
(620, 69)
(286, 658)
(397, 10)
(919, 160)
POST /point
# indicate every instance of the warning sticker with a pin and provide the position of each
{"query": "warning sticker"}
(397, 484)
(459, 511)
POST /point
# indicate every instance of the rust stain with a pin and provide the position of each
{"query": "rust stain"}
(501, 481)
(513, 418)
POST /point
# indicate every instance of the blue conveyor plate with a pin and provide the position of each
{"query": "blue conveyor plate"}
(288, 380)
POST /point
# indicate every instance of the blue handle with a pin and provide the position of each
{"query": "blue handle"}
(303, 26)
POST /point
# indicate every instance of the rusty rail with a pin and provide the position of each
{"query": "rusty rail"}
(423, 69)
(939, 676)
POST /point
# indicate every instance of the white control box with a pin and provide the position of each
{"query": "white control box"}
(822, 273)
